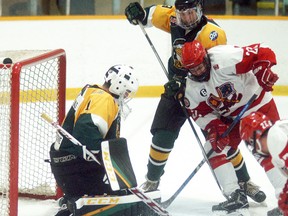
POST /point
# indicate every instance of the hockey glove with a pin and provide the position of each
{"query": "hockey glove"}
(215, 129)
(265, 77)
(135, 13)
(174, 88)
(283, 200)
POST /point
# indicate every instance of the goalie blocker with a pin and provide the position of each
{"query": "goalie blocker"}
(81, 180)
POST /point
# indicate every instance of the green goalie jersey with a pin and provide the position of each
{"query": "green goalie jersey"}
(92, 118)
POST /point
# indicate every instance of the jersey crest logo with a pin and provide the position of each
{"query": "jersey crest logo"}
(177, 51)
(213, 35)
(226, 98)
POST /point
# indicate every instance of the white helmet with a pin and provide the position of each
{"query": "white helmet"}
(123, 84)
(122, 80)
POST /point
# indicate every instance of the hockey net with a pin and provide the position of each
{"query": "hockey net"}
(33, 84)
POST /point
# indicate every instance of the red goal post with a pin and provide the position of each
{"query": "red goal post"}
(34, 83)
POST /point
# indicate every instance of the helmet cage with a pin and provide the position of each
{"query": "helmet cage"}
(188, 15)
(123, 86)
(252, 128)
(254, 144)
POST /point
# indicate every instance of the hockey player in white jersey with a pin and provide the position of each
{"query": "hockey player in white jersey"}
(268, 139)
(219, 83)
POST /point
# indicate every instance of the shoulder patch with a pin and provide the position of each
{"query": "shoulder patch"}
(213, 35)
(173, 20)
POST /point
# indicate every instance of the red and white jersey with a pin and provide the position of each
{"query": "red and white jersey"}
(232, 83)
(277, 142)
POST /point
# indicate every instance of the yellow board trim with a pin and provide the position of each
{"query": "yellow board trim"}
(156, 91)
(71, 93)
(122, 17)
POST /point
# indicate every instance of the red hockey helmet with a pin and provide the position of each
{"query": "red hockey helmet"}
(196, 60)
(252, 127)
(255, 122)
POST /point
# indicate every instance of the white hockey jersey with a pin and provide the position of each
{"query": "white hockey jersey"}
(232, 83)
(277, 142)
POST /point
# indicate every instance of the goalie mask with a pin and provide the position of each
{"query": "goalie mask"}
(196, 60)
(252, 127)
(188, 13)
(123, 85)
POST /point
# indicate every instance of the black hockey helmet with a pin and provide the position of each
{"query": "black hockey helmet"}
(185, 4)
(188, 13)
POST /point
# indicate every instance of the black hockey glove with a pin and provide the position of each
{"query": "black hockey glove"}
(134, 13)
(175, 88)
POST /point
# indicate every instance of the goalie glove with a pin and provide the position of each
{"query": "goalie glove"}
(265, 77)
(135, 13)
(215, 130)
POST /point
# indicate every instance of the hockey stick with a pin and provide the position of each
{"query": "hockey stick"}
(153, 48)
(67, 135)
(147, 200)
(201, 146)
(168, 202)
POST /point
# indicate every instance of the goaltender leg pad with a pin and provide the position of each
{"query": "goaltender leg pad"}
(128, 205)
(117, 164)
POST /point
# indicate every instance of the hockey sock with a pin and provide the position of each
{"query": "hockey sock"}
(223, 168)
(274, 175)
(162, 144)
(239, 164)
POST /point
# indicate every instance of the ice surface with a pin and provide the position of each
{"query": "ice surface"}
(202, 191)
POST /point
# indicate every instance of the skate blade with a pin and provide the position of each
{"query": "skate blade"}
(255, 205)
(238, 212)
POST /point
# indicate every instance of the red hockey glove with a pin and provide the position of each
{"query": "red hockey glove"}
(215, 129)
(265, 77)
(283, 200)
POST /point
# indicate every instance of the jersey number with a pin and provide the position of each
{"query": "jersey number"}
(249, 50)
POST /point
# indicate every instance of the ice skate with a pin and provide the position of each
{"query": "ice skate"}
(236, 205)
(275, 212)
(63, 211)
(149, 185)
(253, 191)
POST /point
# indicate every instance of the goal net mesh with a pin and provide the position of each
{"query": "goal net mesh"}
(38, 93)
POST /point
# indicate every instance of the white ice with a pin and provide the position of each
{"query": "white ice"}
(200, 193)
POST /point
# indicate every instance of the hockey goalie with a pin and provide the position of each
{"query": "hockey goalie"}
(98, 183)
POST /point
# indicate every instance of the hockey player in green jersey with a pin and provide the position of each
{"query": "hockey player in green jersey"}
(94, 119)
(185, 22)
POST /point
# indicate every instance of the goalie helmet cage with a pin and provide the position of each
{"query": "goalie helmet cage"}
(29, 87)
